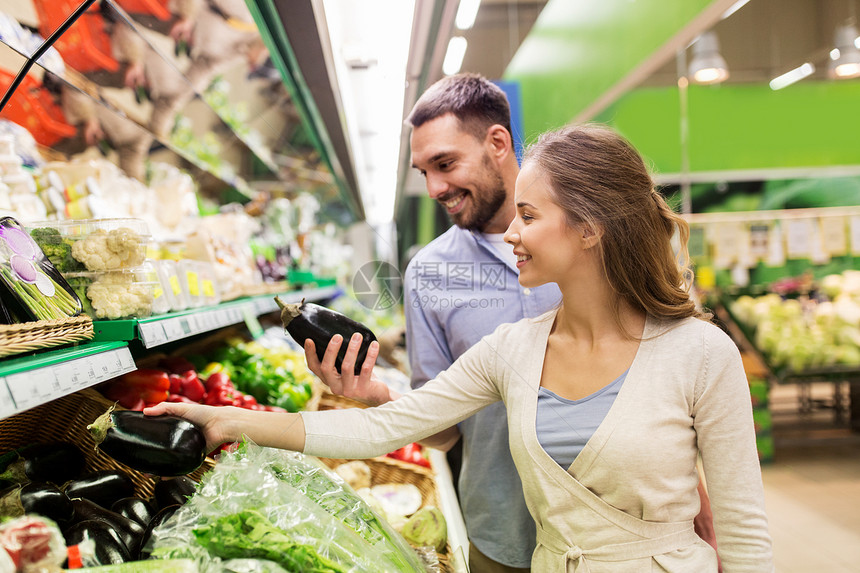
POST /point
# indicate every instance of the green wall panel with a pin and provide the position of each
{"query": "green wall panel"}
(576, 51)
(809, 124)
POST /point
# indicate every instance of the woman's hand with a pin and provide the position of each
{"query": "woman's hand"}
(365, 386)
(226, 424)
(215, 421)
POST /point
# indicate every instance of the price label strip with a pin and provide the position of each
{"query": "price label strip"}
(7, 404)
(25, 390)
(152, 333)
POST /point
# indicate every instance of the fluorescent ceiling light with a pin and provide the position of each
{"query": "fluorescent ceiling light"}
(454, 55)
(793, 76)
(734, 8)
(466, 14)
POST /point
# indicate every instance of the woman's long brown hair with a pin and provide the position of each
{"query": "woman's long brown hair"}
(600, 180)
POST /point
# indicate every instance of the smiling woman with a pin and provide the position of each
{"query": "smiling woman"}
(654, 386)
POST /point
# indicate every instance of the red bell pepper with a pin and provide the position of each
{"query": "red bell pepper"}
(413, 453)
(147, 378)
(175, 383)
(217, 381)
(149, 386)
(192, 387)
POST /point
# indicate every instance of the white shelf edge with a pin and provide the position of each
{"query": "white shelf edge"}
(25, 390)
(450, 507)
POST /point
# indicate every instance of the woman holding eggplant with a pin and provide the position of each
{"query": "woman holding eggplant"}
(610, 398)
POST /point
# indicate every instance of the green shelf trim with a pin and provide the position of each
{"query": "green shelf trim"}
(129, 329)
(51, 357)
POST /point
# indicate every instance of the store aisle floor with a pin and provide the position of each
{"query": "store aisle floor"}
(812, 496)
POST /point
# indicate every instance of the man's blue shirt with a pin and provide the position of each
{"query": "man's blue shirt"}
(458, 289)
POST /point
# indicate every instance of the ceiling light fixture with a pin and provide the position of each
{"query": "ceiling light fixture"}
(454, 55)
(466, 14)
(707, 65)
(846, 63)
(793, 76)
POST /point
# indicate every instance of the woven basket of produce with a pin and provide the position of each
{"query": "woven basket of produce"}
(65, 420)
(38, 335)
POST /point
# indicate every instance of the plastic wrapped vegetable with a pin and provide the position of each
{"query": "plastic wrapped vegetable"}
(254, 505)
(33, 543)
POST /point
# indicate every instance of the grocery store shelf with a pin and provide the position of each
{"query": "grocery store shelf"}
(29, 381)
(158, 330)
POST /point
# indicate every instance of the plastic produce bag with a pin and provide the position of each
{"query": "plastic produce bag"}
(33, 543)
(272, 505)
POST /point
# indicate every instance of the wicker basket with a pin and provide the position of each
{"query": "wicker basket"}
(329, 401)
(66, 419)
(388, 470)
(30, 336)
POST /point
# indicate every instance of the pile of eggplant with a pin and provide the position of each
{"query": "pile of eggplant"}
(50, 480)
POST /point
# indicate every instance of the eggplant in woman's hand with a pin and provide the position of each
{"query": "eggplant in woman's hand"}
(307, 320)
(164, 445)
(102, 487)
(43, 499)
(55, 462)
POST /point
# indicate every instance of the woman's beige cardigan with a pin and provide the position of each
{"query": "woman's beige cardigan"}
(627, 502)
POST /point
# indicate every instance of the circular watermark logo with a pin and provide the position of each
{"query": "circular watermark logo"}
(377, 285)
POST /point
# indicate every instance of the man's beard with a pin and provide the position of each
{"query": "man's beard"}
(489, 196)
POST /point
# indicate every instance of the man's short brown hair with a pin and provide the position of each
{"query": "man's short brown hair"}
(475, 101)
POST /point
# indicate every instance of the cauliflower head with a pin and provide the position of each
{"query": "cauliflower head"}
(117, 295)
(110, 250)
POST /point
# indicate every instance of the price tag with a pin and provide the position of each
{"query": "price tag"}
(798, 240)
(7, 404)
(759, 235)
(174, 285)
(193, 281)
(152, 333)
(834, 236)
(46, 384)
(173, 329)
(23, 390)
(79, 374)
(126, 361)
(66, 377)
(194, 325)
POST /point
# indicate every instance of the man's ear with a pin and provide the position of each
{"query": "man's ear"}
(499, 140)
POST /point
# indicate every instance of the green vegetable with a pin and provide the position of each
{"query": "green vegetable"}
(152, 565)
(61, 305)
(58, 250)
(249, 534)
(427, 526)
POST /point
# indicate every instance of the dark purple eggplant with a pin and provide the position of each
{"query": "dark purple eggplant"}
(109, 548)
(130, 532)
(174, 491)
(165, 446)
(102, 487)
(135, 508)
(163, 515)
(43, 499)
(56, 462)
(308, 320)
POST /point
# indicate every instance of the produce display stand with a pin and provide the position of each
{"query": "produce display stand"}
(834, 375)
